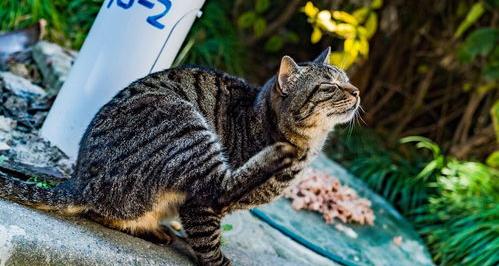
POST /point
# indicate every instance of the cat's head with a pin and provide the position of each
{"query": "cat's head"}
(313, 94)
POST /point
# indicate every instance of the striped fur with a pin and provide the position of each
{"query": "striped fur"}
(198, 143)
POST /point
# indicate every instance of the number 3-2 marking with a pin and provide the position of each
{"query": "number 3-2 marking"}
(153, 20)
(121, 4)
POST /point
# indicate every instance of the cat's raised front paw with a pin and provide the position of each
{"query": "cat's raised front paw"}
(285, 154)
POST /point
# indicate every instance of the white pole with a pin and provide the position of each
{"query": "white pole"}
(128, 40)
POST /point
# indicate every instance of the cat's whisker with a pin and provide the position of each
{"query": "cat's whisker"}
(359, 116)
(361, 109)
(350, 128)
(356, 119)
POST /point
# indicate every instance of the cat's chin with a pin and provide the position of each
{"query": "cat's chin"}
(345, 117)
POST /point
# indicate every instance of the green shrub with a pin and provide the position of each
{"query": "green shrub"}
(213, 40)
(68, 20)
(453, 204)
(391, 174)
(460, 222)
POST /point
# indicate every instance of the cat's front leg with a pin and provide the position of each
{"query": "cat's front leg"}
(269, 162)
(202, 226)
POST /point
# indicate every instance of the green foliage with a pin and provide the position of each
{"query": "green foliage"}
(213, 41)
(389, 173)
(80, 18)
(227, 227)
(41, 183)
(493, 160)
(494, 113)
(255, 18)
(453, 204)
(68, 20)
(262, 5)
(276, 42)
(18, 14)
(480, 42)
(461, 221)
(473, 15)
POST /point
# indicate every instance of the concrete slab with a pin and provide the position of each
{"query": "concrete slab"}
(30, 237)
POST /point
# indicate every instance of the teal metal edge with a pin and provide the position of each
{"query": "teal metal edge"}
(289, 233)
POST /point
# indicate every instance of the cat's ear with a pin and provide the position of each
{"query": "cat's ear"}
(323, 58)
(287, 68)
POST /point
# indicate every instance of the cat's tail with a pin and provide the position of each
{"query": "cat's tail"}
(60, 198)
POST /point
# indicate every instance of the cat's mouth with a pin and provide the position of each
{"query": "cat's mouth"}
(345, 109)
(354, 107)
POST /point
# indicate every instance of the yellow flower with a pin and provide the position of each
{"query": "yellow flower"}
(345, 17)
(310, 10)
(345, 30)
(351, 46)
(342, 60)
(363, 47)
(316, 35)
(324, 20)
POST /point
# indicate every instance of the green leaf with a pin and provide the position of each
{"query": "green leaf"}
(259, 27)
(292, 37)
(423, 142)
(491, 71)
(494, 114)
(376, 4)
(474, 14)
(493, 160)
(371, 24)
(246, 19)
(262, 6)
(361, 14)
(479, 42)
(227, 227)
(40, 183)
(274, 44)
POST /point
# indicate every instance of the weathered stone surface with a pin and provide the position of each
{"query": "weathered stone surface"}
(6, 124)
(33, 238)
(19, 85)
(30, 149)
(29, 237)
(4, 146)
(254, 242)
(54, 62)
(23, 107)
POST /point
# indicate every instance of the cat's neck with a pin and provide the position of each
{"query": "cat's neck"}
(311, 141)
(265, 115)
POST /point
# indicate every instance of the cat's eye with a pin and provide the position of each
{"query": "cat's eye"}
(329, 87)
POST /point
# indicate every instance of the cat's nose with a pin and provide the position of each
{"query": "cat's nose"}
(351, 89)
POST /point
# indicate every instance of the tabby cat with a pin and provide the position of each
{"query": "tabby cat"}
(199, 144)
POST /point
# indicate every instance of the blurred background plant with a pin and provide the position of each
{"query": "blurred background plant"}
(355, 28)
(427, 68)
(452, 203)
(68, 20)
